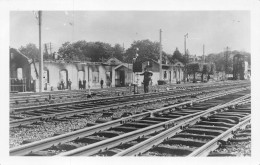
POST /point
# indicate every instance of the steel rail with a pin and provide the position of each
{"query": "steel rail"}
(91, 101)
(45, 143)
(23, 95)
(111, 98)
(159, 138)
(19, 122)
(213, 144)
(25, 121)
(115, 141)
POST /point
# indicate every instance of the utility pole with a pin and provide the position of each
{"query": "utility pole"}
(46, 49)
(160, 54)
(41, 57)
(226, 61)
(186, 57)
(50, 48)
(203, 57)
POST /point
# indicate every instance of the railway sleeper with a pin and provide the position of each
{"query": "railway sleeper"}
(217, 154)
(203, 131)
(229, 118)
(209, 127)
(231, 114)
(214, 119)
(183, 113)
(108, 133)
(16, 117)
(32, 113)
(148, 121)
(248, 111)
(224, 120)
(46, 112)
(248, 130)
(90, 139)
(65, 146)
(215, 123)
(137, 125)
(194, 136)
(28, 141)
(242, 135)
(190, 110)
(184, 141)
(200, 107)
(172, 150)
(41, 153)
(124, 129)
(127, 145)
(160, 119)
(171, 116)
(238, 140)
(109, 152)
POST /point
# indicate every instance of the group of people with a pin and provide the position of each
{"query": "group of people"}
(82, 84)
(61, 85)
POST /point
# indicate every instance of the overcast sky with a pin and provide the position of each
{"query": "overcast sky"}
(215, 29)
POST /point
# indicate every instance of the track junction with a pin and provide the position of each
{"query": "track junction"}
(188, 121)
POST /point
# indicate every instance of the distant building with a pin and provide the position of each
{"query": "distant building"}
(24, 73)
(171, 73)
(195, 58)
(241, 70)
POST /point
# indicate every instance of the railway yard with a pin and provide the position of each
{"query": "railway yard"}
(204, 119)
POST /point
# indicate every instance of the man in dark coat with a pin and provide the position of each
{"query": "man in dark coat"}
(101, 83)
(69, 84)
(80, 84)
(147, 78)
(84, 84)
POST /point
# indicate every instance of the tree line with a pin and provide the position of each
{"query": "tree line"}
(99, 51)
(145, 49)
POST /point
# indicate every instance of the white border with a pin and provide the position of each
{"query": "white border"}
(160, 5)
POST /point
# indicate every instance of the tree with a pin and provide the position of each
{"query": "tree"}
(205, 70)
(212, 70)
(145, 49)
(194, 68)
(118, 52)
(31, 51)
(82, 50)
(177, 56)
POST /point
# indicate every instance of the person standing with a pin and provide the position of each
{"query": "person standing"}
(101, 83)
(147, 78)
(84, 84)
(69, 84)
(80, 84)
(62, 85)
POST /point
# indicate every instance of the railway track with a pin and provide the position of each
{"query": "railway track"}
(110, 134)
(197, 136)
(23, 116)
(237, 145)
(32, 99)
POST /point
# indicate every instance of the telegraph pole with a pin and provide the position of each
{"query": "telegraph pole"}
(50, 48)
(160, 54)
(226, 61)
(41, 57)
(203, 54)
(186, 57)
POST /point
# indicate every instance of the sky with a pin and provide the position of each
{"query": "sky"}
(215, 29)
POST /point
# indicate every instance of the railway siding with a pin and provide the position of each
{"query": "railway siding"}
(36, 146)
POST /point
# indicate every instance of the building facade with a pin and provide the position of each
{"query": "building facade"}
(58, 74)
